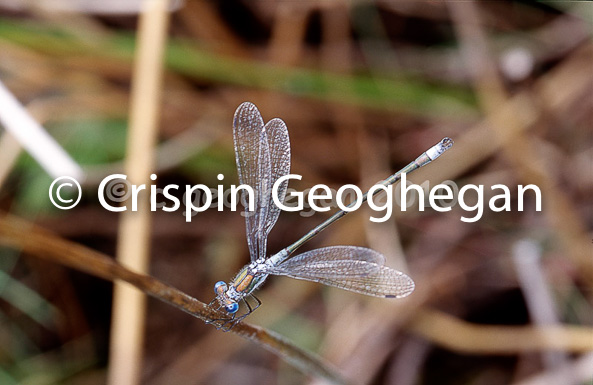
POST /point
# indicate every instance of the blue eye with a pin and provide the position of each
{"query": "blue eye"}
(220, 287)
(232, 308)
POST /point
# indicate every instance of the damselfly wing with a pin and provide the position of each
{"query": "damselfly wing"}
(262, 153)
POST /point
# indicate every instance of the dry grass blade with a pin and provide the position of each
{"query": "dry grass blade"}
(10, 149)
(33, 240)
(129, 305)
(537, 292)
(454, 334)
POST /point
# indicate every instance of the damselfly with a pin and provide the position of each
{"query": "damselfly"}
(262, 153)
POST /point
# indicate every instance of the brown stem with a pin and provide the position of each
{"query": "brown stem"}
(38, 242)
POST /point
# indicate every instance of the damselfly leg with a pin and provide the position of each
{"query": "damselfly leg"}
(250, 309)
(227, 323)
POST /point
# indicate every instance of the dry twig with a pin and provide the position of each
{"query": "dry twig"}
(33, 240)
(454, 334)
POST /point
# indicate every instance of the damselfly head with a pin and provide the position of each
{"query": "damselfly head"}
(220, 287)
(229, 305)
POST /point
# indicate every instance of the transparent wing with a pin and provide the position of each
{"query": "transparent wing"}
(252, 155)
(356, 269)
(333, 261)
(279, 146)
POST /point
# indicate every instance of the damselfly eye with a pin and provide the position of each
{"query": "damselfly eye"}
(220, 287)
(232, 308)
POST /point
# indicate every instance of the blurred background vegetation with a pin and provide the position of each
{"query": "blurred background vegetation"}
(364, 88)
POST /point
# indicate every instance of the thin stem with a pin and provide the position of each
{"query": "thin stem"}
(38, 242)
(133, 250)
